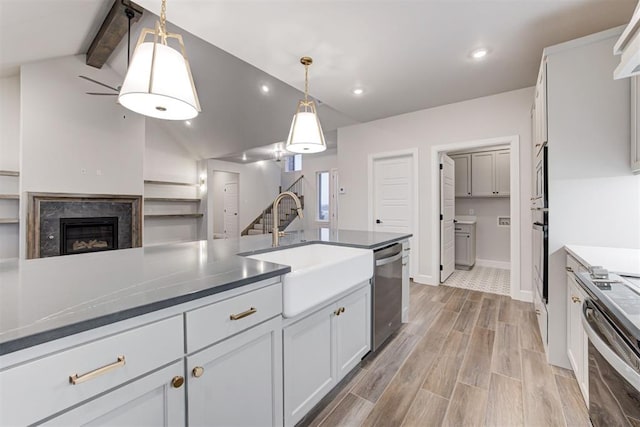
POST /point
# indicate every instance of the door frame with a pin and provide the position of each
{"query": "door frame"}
(415, 220)
(210, 205)
(513, 141)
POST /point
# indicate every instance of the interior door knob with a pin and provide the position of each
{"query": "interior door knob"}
(378, 221)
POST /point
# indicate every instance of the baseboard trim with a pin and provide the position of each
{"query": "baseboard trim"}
(423, 279)
(505, 265)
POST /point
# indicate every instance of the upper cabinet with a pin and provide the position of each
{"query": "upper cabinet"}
(628, 47)
(462, 166)
(539, 116)
(635, 125)
(490, 174)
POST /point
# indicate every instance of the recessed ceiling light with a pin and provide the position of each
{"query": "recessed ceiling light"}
(264, 89)
(244, 157)
(358, 91)
(479, 53)
(188, 122)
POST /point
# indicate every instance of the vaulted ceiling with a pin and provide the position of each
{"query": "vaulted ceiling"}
(404, 55)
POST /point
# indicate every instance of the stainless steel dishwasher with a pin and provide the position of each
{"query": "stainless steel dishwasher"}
(387, 293)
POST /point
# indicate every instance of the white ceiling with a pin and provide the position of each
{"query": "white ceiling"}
(407, 55)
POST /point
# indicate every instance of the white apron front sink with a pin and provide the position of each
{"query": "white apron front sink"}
(318, 273)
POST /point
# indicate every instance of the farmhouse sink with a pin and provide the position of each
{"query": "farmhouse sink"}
(318, 273)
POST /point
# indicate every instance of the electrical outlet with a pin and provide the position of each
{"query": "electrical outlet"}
(504, 221)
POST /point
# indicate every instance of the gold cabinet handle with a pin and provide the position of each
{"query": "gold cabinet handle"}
(575, 299)
(339, 311)
(239, 316)
(176, 382)
(342, 309)
(197, 371)
(538, 311)
(77, 379)
(569, 269)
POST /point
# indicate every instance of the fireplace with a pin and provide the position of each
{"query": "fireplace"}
(94, 222)
(81, 235)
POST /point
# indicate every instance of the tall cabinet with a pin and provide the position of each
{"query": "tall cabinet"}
(582, 116)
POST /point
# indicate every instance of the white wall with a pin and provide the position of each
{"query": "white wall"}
(311, 165)
(65, 131)
(9, 160)
(488, 117)
(259, 184)
(492, 242)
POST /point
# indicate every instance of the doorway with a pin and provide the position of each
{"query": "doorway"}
(226, 216)
(465, 224)
(393, 196)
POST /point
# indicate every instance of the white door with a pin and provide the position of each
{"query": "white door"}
(447, 214)
(231, 227)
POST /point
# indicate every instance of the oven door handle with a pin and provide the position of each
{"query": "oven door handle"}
(621, 367)
(538, 226)
(389, 260)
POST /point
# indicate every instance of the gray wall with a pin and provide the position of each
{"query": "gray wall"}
(492, 242)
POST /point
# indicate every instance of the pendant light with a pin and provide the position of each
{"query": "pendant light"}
(159, 83)
(306, 134)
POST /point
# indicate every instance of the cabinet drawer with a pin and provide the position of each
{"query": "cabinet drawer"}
(96, 367)
(214, 322)
(463, 228)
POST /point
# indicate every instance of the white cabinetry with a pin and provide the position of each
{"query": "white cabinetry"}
(465, 243)
(490, 174)
(543, 316)
(462, 165)
(540, 109)
(238, 382)
(577, 341)
(63, 379)
(155, 400)
(406, 291)
(321, 348)
(635, 125)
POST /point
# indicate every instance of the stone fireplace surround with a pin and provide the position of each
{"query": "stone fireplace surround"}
(44, 211)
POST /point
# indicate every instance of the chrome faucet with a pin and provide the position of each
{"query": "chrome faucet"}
(276, 233)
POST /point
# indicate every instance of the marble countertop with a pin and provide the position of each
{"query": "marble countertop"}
(617, 260)
(49, 298)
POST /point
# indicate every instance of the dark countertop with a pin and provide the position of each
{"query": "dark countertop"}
(50, 298)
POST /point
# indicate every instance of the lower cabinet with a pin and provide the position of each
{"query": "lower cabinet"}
(577, 341)
(321, 348)
(238, 382)
(542, 315)
(157, 399)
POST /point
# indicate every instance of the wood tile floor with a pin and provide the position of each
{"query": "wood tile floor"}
(466, 358)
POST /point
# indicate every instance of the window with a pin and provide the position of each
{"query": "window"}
(323, 196)
(293, 163)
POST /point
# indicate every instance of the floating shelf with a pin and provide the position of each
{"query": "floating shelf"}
(171, 199)
(159, 216)
(9, 220)
(10, 196)
(9, 173)
(189, 184)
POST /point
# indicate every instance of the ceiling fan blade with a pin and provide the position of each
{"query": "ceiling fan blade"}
(99, 83)
(98, 93)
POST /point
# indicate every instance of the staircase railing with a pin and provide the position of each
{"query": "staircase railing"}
(263, 224)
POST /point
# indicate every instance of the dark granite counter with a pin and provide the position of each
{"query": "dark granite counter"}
(50, 298)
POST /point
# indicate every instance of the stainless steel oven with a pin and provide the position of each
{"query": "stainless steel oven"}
(614, 370)
(387, 293)
(540, 184)
(539, 214)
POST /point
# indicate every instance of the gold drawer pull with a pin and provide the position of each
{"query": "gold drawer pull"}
(239, 316)
(575, 299)
(339, 311)
(77, 379)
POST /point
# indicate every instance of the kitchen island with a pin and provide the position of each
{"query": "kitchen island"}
(60, 316)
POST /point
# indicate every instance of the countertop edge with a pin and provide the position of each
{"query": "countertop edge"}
(88, 324)
(574, 250)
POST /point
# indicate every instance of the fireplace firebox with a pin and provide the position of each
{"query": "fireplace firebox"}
(81, 235)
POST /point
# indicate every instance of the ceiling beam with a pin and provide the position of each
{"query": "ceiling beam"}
(113, 29)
